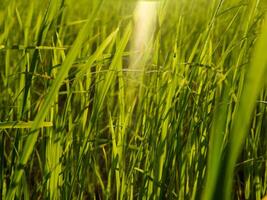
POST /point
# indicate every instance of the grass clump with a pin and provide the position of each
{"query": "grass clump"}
(79, 120)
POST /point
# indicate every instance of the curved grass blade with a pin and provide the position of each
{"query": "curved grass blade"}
(21, 124)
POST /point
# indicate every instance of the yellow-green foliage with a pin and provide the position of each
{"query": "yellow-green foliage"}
(79, 120)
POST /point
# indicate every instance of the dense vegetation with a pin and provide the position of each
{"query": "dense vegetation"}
(187, 120)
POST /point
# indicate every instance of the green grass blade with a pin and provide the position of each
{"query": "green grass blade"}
(20, 124)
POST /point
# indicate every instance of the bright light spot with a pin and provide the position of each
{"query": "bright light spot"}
(145, 18)
(145, 21)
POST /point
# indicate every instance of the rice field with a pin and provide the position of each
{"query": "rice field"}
(115, 99)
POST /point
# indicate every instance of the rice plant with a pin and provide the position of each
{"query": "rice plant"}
(119, 99)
